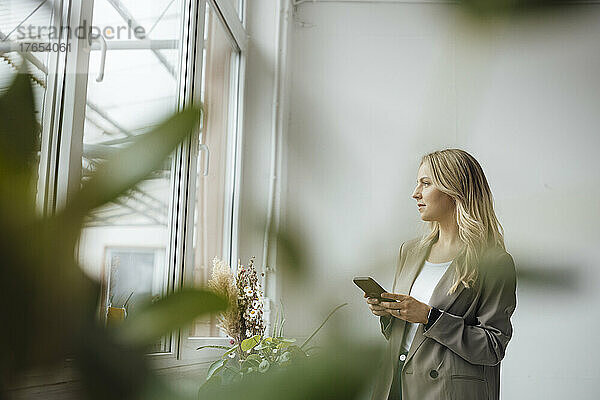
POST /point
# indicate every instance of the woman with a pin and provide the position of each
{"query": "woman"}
(448, 320)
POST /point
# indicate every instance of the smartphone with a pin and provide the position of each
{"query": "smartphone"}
(370, 287)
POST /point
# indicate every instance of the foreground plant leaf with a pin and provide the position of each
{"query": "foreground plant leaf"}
(169, 313)
(343, 372)
(132, 164)
(17, 128)
(491, 8)
(50, 305)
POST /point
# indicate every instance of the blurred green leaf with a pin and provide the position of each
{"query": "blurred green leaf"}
(50, 304)
(322, 324)
(490, 8)
(214, 367)
(46, 299)
(231, 350)
(230, 375)
(264, 366)
(249, 365)
(343, 372)
(18, 127)
(280, 330)
(558, 278)
(254, 358)
(132, 164)
(154, 320)
(109, 369)
(212, 346)
(295, 351)
(290, 254)
(286, 340)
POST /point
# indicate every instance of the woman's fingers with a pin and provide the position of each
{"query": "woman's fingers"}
(410, 309)
(398, 313)
(377, 307)
(378, 310)
(394, 305)
(394, 296)
(380, 313)
(397, 309)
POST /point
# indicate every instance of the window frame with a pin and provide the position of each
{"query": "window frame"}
(186, 347)
(62, 145)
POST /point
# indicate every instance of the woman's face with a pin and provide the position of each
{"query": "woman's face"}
(434, 205)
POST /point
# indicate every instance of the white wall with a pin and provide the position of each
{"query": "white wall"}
(374, 87)
(262, 27)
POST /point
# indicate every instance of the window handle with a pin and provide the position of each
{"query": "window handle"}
(103, 49)
(204, 148)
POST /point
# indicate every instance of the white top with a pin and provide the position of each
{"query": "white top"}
(422, 289)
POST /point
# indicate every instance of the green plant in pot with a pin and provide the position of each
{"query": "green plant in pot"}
(251, 351)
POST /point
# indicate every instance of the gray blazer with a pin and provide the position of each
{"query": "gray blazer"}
(458, 357)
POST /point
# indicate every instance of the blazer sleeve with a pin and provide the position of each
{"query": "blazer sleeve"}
(484, 343)
(387, 321)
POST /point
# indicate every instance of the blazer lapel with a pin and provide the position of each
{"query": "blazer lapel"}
(403, 284)
(412, 266)
(440, 297)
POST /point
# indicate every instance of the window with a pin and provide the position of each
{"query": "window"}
(150, 59)
(134, 276)
(214, 202)
(14, 15)
(133, 84)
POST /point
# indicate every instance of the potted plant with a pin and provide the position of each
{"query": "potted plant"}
(251, 351)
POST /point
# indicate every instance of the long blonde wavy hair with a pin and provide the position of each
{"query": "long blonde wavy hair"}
(459, 175)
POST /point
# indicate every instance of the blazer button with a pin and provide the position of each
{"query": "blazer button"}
(433, 373)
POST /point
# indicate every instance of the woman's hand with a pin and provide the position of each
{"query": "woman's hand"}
(376, 309)
(406, 308)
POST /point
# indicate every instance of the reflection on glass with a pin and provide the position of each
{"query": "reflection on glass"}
(14, 14)
(125, 243)
(133, 276)
(213, 207)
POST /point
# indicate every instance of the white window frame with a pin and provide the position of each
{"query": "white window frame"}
(62, 145)
(64, 112)
(228, 16)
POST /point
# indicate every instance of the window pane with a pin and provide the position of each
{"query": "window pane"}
(214, 192)
(14, 15)
(134, 276)
(125, 244)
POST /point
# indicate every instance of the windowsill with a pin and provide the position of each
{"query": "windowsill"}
(189, 354)
(163, 363)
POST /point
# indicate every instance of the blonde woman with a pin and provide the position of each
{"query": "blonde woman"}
(454, 291)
